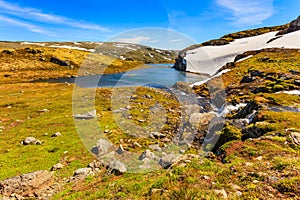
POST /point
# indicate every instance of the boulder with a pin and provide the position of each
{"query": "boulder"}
(167, 160)
(180, 62)
(295, 136)
(27, 185)
(117, 167)
(31, 140)
(148, 155)
(59, 61)
(103, 147)
(201, 119)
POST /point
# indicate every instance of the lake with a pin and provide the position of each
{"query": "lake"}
(157, 75)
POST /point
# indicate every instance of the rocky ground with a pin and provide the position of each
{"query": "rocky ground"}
(236, 136)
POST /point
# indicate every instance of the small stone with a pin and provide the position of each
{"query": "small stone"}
(255, 181)
(259, 158)
(57, 167)
(155, 147)
(57, 134)
(38, 142)
(83, 172)
(106, 131)
(157, 135)
(43, 110)
(120, 150)
(128, 107)
(182, 151)
(29, 140)
(222, 192)
(136, 144)
(206, 177)
(238, 193)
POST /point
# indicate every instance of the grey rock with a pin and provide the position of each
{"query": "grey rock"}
(120, 150)
(148, 155)
(57, 134)
(43, 110)
(157, 135)
(190, 109)
(117, 167)
(32, 184)
(88, 115)
(31, 140)
(294, 26)
(248, 79)
(60, 62)
(201, 119)
(57, 167)
(297, 82)
(295, 136)
(155, 147)
(167, 160)
(222, 192)
(83, 172)
(103, 147)
(136, 144)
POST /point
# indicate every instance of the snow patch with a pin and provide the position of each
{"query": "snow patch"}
(206, 80)
(209, 59)
(70, 47)
(292, 92)
(33, 43)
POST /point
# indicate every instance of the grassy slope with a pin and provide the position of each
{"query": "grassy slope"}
(273, 161)
(263, 168)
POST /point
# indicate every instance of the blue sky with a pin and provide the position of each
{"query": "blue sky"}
(145, 22)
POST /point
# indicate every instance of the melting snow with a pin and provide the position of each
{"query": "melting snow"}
(33, 43)
(70, 47)
(209, 59)
(292, 92)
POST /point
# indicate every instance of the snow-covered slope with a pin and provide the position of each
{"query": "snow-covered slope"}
(209, 59)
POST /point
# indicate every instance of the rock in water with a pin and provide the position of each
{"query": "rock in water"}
(27, 185)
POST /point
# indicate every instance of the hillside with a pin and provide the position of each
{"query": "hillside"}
(235, 135)
(27, 61)
(211, 56)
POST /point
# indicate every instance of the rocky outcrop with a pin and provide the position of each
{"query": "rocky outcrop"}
(294, 26)
(60, 62)
(27, 185)
(180, 62)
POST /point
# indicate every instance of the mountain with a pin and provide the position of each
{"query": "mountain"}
(212, 55)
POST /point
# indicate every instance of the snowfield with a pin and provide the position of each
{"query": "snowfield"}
(209, 59)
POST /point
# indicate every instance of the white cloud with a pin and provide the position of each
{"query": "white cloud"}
(35, 15)
(248, 12)
(134, 40)
(28, 26)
